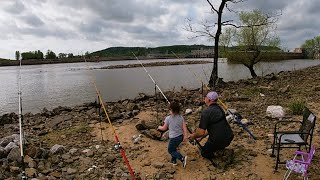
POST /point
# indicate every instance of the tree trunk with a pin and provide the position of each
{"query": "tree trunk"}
(214, 74)
(252, 72)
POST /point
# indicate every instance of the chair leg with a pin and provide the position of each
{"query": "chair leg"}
(278, 157)
(287, 174)
(273, 145)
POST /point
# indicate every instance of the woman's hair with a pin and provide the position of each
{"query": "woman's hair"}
(174, 107)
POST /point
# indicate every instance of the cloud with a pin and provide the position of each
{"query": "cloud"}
(32, 20)
(13, 6)
(96, 24)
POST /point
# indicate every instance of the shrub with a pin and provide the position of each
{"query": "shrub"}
(296, 107)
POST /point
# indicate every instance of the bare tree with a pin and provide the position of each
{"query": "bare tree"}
(207, 30)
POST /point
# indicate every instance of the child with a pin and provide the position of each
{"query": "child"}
(177, 133)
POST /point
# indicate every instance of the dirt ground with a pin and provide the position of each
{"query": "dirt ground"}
(154, 151)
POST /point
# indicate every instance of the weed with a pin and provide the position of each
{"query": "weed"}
(296, 107)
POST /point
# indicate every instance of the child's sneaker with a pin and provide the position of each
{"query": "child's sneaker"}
(184, 161)
(173, 163)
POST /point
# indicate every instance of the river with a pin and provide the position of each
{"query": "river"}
(52, 85)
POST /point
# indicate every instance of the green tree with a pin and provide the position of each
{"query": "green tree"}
(70, 55)
(50, 55)
(39, 54)
(87, 54)
(255, 32)
(311, 47)
(62, 55)
(17, 55)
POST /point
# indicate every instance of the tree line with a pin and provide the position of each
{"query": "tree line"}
(49, 55)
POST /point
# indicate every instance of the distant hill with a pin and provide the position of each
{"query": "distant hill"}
(162, 51)
(145, 51)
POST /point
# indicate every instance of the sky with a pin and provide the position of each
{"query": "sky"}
(77, 26)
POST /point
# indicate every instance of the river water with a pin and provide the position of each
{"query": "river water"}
(52, 85)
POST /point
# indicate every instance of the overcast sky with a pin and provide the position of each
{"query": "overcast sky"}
(78, 26)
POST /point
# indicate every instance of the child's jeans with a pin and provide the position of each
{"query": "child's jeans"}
(172, 148)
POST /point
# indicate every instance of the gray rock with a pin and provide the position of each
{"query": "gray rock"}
(71, 171)
(73, 151)
(31, 172)
(6, 140)
(3, 153)
(14, 154)
(158, 165)
(132, 106)
(135, 112)
(109, 157)
(31, 163)
(57, 149)
(88, 152)
(10, 146)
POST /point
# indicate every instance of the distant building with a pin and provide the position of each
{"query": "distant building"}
(202, 53)
(298, 50)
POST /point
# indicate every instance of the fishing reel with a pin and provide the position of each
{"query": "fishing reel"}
(117, 147)
(193, 142)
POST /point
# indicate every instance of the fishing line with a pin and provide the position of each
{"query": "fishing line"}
(197, 142)
(117, 145)
(235, 117)
(152, 79)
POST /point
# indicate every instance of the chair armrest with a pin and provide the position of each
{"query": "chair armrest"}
(285, 121)
(301, 153)
(301, 162)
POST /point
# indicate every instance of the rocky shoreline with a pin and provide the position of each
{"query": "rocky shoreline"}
(165, 63)
(65, 143)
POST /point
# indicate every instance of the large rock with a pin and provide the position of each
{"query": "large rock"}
(8, 119)
(10, 146)
(60, 109)
(57, 149)
(6, 140)
(14, 154)
(31, 172)
(31, 163)
(132, 106)
(275, 112)
(2, 153)
(152, 133)
(141, 125)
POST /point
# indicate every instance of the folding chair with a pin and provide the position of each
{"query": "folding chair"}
(300, 166)
(295, 138)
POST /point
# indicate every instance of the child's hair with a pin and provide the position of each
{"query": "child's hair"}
(174, 107)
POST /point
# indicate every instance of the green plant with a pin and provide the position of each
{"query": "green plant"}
(296, 107)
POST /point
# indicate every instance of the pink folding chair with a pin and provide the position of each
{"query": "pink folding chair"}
(300, 166)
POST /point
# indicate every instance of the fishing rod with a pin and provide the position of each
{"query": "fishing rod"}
(151, 78)
(117, 145)
(23, 174)
(195, 140)
(235, 117)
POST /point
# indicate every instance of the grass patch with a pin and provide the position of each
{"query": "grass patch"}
(296, 107)
(55, 136)
(251, 91)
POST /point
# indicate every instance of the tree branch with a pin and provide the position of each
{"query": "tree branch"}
(212, 7)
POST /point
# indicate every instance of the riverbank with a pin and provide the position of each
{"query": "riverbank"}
(4, 62)
(70, 143)
(166, 63)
